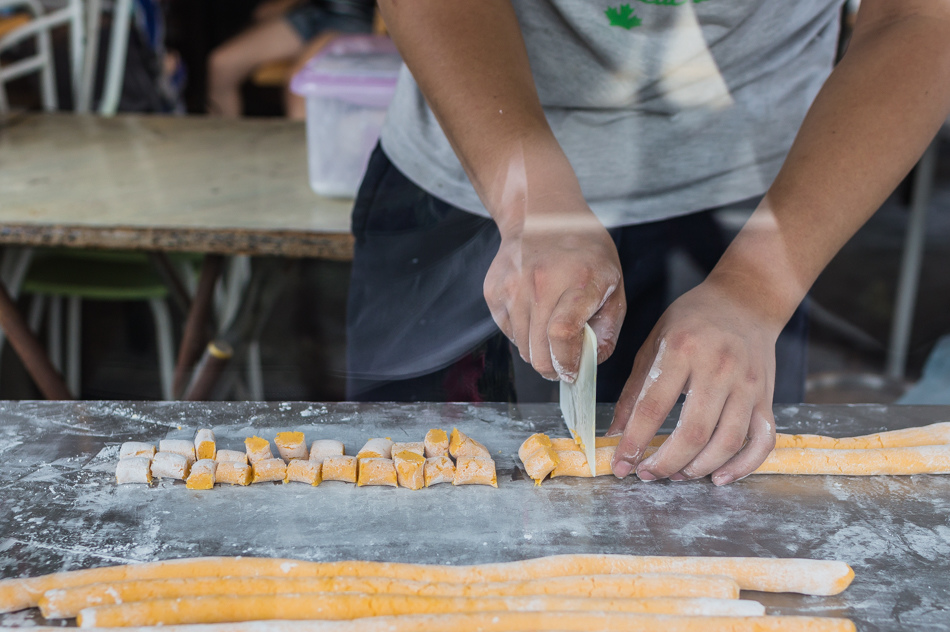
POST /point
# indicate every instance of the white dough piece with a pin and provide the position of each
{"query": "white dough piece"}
(323, 448)
(135, 469)
(170, 465)
(205, 447)
(376, 449)
(231, 456)
(178, 446)
(131, 449)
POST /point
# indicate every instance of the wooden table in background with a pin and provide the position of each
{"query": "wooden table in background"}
(161, 184)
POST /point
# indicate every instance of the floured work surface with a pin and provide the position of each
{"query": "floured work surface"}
(60, 508)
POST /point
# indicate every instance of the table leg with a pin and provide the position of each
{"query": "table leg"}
(194, 336)
(268, 278)
(31, 352)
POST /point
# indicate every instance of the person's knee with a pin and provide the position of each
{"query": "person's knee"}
(224, 67)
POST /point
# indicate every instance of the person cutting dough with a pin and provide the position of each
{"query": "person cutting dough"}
(541, 157)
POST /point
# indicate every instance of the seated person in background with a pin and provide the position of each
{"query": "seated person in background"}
(282, 30)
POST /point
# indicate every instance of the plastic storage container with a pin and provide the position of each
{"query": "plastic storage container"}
(348, 86)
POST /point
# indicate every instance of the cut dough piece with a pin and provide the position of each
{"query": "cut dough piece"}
(340, 468)
(170, 465)
(542, 462)
(374, 471)
(439, 469)
(268, 470)
(257, 449)
(376, 449)
(232, 456)
(336, 606)
(410, 469)
(304, 471)
(66, 603)
(233, 473)
(932, 459)
(178, 446)
(204, 444)
(323, 448)
(474, 470)
(551, 620)
(808, 577)
(202, 475)
(532, 444)
(417, 447)
(574, 463)
(135, 469)
(132, 449)
(291, 445)
(436, 443)
(461, 444)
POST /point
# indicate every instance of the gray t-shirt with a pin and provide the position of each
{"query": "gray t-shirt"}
(663, 107)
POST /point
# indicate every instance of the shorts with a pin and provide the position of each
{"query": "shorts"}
(309, 21)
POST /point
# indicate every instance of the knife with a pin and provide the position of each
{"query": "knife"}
(579, 400)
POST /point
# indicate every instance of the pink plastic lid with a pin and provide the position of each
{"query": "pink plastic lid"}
(358, 69)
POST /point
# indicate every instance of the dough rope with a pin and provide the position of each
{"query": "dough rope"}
(809, 577)
(67, 602)
(529, 622)
(226, 608)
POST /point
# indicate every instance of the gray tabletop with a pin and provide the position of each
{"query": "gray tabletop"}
(60, 508)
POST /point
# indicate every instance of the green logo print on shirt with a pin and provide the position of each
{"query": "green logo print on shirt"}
(623, 17)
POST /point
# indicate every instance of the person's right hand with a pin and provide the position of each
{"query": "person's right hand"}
(554, 272)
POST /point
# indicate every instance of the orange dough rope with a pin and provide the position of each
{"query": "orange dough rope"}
(930, 459)
(225, 608)
(530, 622)
(810, 577)
(934, 434)
(66, 603)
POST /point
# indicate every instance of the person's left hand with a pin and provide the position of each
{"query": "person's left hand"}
(721, 353)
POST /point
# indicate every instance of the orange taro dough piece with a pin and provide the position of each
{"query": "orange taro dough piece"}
(418, 447)
(474, 470)
(205, 447)
(304, 471)
(136, 469)
(376, 449)
(925, 459)
(268, 470)
(291, 445)
(461, 444)
(538, 457)
(340, 468)
(231, 455)
(323, 448)
(131, 449)
(410, 469)
(233, 473)
(375, 471)
(436, 443)
(170, 465)
(439, 469)
(202, 475)
(178, 446)
(257, 449)
(574, 463)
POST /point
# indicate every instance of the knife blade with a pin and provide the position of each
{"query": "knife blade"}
(579, 400)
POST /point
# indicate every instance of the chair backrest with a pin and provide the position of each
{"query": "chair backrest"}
(39, 27)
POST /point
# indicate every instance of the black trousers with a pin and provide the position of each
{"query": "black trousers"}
(418, 328)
